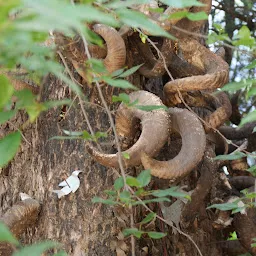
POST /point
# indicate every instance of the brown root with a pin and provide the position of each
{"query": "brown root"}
(159, 67)
(20, 217)
(155, 130)
(116, 55)
(232, 133)
(215, 68)
(208, 169)
(221, 114)
(192, 151)
(242, 182)
(245, 226)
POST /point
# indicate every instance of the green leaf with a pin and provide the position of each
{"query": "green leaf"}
(119, 183)
(156, 10)
(9, 145)
(126, 155)
(6, 235)
(104, 201)
(182, 3)
(115, 4)
(87, 135)
(110, 192)
(154, 200)
(248, 118)
(173, 191)
(36, 249)
(139, 20)
(218, 27)
(232, 236)
(197, 16)
(144, 178)
(34, 110)
(96, 65)
(130, 71)
(224, 207)
(156, 235)
(251, 195)
(117, 73)
(99, 135)
(65, 138)
(4, 116)
(251, 65)
(252, 170)
(238, 209)
(6, 7)
(243, 37)
(26, 98)
(235, 86)
(56, 103)
(178, 15)
(133, 182)
(120, 83)
(125, 197)
(133, 231)
(251, 92)
(73, 133)
(150, 107)
(143, 39)
(121, 97)
(232, 156)
(69, 17)
(6, 90)
(140, 191)
(148, 218)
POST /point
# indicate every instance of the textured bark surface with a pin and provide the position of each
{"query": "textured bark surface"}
(82, 227)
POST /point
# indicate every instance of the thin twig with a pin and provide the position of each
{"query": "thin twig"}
(16, 128)
(158, 52)
(79, 97)
(132, 225)
(168, 223)
(120, 161)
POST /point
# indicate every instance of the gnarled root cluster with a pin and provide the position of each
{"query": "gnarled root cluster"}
(153, 123)
(21, 216)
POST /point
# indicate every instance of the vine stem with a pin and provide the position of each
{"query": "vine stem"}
(79, 97)
(115, 136)
(120, 161)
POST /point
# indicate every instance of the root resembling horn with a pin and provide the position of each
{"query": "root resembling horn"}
(216, 70)
(21, 216)
(155, 130)
(116, 51)
(191, 153)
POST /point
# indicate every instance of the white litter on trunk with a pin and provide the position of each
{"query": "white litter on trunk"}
(71, 184)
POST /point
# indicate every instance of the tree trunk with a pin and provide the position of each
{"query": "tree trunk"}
(84, 228)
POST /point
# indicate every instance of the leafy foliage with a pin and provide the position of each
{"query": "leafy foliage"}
(125, 198)
(33, 250)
